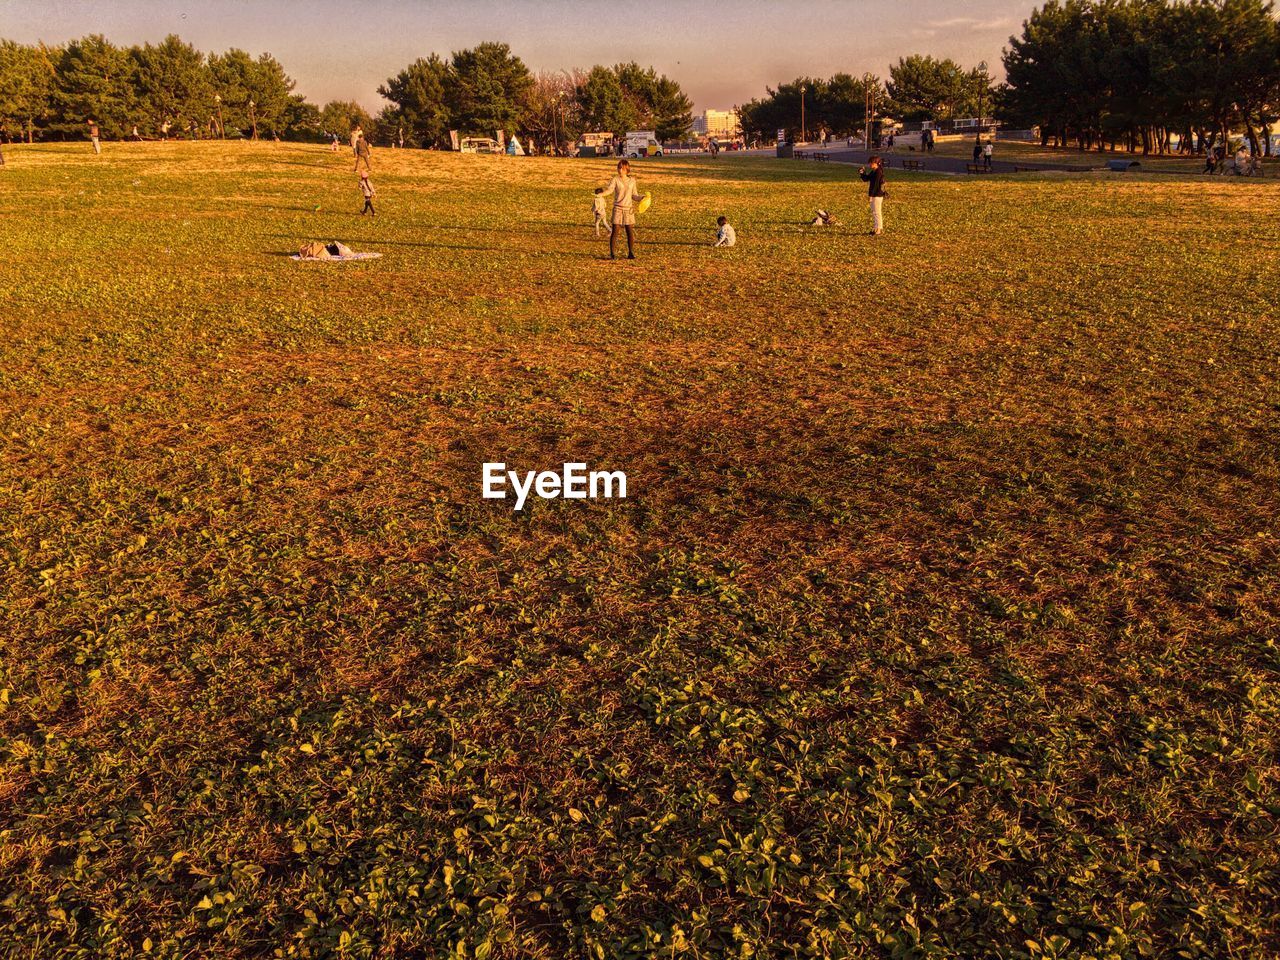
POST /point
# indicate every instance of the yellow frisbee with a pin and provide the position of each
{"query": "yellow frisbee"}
(645, 203)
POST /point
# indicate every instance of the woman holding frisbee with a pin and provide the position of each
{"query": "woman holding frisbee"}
(625, 195)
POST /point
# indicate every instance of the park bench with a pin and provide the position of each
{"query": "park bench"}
(975, 168)
(800, 155)
(821, 157)
(912, 164)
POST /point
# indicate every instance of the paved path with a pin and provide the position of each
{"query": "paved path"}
(935, 162)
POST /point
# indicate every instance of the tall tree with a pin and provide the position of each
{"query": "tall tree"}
(28, 77)
(95, 82)
(603, 104)
(489, 89)
(419, 95)
(170, 82)
(340, 117)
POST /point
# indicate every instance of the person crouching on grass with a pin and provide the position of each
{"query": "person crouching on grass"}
(366, 189)
(625, 194)
(873, 175)
(725, 236)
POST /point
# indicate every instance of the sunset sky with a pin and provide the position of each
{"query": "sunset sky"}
(722, 53)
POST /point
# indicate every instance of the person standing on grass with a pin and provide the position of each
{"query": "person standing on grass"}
(625, 194)
(873, 176)
(988, 151)
(93, 135)
(977, 149)
(366, 189)
(356, 134)
(362, 153)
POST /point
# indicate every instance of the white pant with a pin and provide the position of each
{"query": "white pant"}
(877, 214)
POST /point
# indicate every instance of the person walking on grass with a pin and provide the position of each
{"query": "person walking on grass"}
(625, 196)
(93, 135)
(873, 176)
(977, 150)
(988, 152)
(362, 154)
(366, 189)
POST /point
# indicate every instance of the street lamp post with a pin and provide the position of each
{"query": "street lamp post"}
(869, 104)
(803, 137)
(982, 92)
(222, 130)
(253, 118)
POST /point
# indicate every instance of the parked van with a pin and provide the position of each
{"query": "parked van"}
(480, 145)
(642, 143)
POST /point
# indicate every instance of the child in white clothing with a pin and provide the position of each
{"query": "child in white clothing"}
(726, 236)
(600, 208)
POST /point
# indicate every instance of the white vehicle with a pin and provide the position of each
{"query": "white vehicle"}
(480, 145)
(642, 143)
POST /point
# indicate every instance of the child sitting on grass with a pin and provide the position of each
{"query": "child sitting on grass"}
(366, 189)
(600, 208)
(726, 236)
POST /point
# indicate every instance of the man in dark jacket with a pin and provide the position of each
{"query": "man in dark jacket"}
(873, 176)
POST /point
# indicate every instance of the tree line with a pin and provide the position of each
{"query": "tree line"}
(918, 88)
(1136, 73)
(1143, 75)
(171, 88)
(488, 89)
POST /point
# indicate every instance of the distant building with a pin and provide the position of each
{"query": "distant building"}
(720, 124)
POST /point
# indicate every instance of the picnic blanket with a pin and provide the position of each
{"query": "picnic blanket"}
(330, 252)
(333, 259)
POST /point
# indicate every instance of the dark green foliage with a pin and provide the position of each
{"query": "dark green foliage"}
(1137, 71)
(418, 96)
(925, 88)
(55, 92)
(839, 104)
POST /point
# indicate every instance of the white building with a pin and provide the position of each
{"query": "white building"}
(720, 124)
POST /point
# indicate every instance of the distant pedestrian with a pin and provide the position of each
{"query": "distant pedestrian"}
(977, 149)
(137, 137)
(988, 151)
(873, 176)
(625, 195)
(356, 133)
(93, 135)
(362, 154)
(334, 146)
(367, 191)
(725, 236)
(164, 131)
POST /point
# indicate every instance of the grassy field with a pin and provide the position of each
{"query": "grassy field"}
(941, 620)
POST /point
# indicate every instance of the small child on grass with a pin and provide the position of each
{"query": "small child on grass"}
(366, 189)
(726, 236)
(600, 208)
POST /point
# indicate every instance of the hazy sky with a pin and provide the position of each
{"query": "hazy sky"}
(722, 53)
